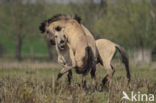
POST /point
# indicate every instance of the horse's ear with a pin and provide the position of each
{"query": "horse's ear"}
(42, 27)
(77, 18)
(58, 28)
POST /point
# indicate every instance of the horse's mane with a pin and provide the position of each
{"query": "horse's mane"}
(56, 18)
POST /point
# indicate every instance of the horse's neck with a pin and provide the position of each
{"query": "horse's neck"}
(76, 37)
(58, 51)
(69, 46)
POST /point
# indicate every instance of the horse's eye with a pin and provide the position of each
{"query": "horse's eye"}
(48, 32)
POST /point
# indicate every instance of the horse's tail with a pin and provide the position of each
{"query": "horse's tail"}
(125, 60)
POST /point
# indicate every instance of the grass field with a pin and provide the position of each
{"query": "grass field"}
(28, 82)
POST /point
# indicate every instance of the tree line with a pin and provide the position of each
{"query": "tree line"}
(129, 23)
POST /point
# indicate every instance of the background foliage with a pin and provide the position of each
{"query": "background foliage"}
(129, 23)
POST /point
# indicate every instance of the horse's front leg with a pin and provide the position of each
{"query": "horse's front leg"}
(69, 76)
(63, 71)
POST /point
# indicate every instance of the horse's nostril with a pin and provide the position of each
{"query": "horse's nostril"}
(62, 41)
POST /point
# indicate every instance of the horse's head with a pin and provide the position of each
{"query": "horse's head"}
(60, 38)
(49, 26)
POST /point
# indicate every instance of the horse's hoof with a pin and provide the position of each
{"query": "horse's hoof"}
(104, 88)
(56, 83)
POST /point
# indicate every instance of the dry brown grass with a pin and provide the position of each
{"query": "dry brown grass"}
(27, 65)
(28, 82)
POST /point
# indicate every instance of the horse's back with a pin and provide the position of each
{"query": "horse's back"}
(106, 50)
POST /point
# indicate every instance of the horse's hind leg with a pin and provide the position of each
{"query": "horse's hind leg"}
(110, 71)
(69, 76)
(84, 83)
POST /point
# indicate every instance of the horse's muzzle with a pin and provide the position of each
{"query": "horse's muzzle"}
(62, 46)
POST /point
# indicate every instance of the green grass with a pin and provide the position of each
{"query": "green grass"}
(36, 85)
